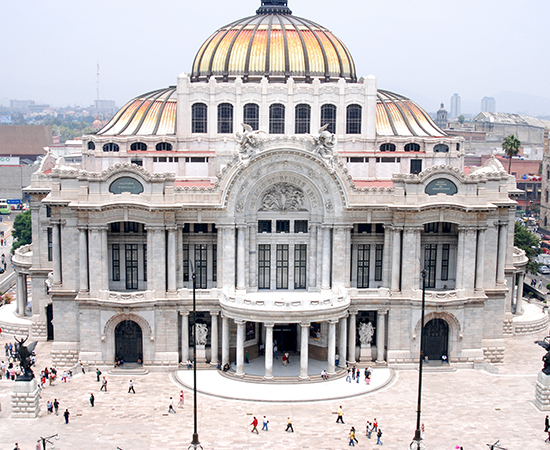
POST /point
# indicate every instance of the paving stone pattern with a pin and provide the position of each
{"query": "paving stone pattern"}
(467, 407)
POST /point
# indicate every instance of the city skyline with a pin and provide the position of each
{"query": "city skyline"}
(148, 46)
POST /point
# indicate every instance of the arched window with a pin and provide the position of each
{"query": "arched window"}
(139, 146)
(163, 146)
(91, 146)
(441, 148)
(110, 147)
(277, 119)
(353, 119)
(328, 116)
(546, 196)
(387, 147)
(412, 147)
(199, 114)
(251, 115)
(303, 119)
(458, 147)
(225, 118)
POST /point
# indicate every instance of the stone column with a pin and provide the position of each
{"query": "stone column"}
(519, 304)
(351, 337)
(469, 254)
(460, 259)
(20, 295)
(396, 259)
(342, 342)
(331, 346)
(240, 347)
(304, 351)
(56, 252)
(325, 281)
(268, 351)
(171, 255)
(501, 258)
(241, 230)
(95, 255)
(184, 336)
(381, 337)
(386, 260)
(225, 341)
(312, 257)
(214, 338)
(480, 259)
(253, 256)
(83, 248)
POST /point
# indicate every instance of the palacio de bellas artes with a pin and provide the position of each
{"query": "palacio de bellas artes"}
(310, 205)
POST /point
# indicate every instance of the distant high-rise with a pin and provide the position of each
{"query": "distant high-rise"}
(488, 104)
(441, 119)
(455, 106)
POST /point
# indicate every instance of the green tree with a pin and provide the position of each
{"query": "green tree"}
(22, 230)
(511, 145)
(528, 242)
(461, 118)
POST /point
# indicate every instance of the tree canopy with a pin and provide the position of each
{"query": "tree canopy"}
(530, 243)
(511, 145)
(22, 230)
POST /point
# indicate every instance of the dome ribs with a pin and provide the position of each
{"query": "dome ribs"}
(268, 47)
(211, 62)
(169, 91)
(285, 46)
(249, 51)
(145, 113)
(225, 73)
(322, 48)
(388, 113)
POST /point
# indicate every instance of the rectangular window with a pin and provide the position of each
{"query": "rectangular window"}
(364, 228)
(446, 227)
(131, 266)
(200, 227)
(50, 245)
(431, 227)
(363, 259)
(282, 266)
(356, 159)
(185, 255)
(283, 226)
(116, 262)
(416, 166)
(144, 262)
(48, 211)
(115, 227)
(430, 258)
(200, 265)
(379, 228)
(264, 266)
(378, 262)
(445, 262)
(264, 226)
(214, 263)
(300, 258)
(131, 227)
(300, 226)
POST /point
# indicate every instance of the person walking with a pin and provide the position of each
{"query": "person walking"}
(180, 404)
(351, 437)
(98, 373)
(66, 414)
(340, 418)
(369, 430)
(56, 406)
(103, 384)
(265, 426)
(16, 447)
(131, 387)
(254, 425)
(379, 436)
(348, 376)
(92, 400)
(284, 359)
(171, 406)
(546, 424)
(358, 375)
(275, 348)
(289, 425)
(354, 435)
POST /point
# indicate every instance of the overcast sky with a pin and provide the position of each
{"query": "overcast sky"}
(424, 49)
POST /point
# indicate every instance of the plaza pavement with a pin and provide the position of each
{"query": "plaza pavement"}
(466, 407)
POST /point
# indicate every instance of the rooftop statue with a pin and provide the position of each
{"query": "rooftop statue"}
(546, 358)
(23, 355)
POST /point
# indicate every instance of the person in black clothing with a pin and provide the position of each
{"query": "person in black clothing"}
(56, 406)
(66, 414)
(92, 399)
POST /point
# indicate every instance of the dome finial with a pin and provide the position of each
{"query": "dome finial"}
(274, 7)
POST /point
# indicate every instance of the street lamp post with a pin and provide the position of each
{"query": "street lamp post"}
(195, 444)
(418, 443)
(46, 440)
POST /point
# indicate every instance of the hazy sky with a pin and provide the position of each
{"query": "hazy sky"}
(425, 49)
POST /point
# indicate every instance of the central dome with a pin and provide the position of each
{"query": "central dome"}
(276, 45)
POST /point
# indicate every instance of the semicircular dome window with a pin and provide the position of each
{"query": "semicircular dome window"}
(163, 146)
(91, 146)
(387, 147)
(412, 147)
(139, 146)
(111, 147)
(441, 148)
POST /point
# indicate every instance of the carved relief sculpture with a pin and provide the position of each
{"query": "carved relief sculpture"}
(283, 197)
(201, 331)
(247, 143)
(366, 332)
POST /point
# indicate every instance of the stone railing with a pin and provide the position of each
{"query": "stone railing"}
(440, 295)
(23, 256)
(186, 293)
(127, 297)
(380, 292)
(520, 257)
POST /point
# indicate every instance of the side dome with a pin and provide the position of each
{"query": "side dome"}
(276, 45)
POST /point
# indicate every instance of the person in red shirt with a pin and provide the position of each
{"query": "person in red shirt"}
(254, 426)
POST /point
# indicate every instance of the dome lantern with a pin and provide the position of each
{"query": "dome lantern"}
(274, 7)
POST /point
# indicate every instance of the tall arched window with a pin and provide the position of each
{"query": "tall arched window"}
(412, 147)
(225, 118)
(110, 147)
(353, 119)
(251, 115)
(163, 146)
(303, 119)
(91, 145)
(199, 118)
(141, 146)
(328, 116)
(387, 147)
(277, 119)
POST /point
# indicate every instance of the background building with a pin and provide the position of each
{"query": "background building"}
(488, 104)
(455, 106)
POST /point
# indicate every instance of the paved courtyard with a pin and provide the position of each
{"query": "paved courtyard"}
(466, 407)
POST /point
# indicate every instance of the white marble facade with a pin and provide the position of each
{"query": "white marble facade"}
(295, 238)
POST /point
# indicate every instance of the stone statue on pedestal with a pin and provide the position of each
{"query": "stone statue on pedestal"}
(546, 358)
(23, 355)
(366, 332)
(202, 333)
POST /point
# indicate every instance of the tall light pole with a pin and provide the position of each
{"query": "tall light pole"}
(418, 443)
(46, 440)
(195, 444)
